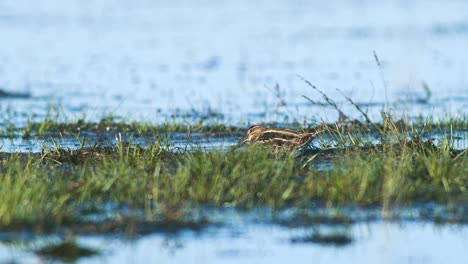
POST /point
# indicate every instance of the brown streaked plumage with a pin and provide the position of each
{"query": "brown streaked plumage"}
(277, 138)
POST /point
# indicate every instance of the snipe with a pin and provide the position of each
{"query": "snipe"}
(277, 138)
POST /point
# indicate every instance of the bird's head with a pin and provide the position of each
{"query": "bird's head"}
(252, 134)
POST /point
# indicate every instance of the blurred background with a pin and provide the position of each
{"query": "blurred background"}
(234, 61)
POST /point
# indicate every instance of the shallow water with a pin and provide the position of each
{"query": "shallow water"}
(220, 60)
(175, 141)
(180, 141)
(376, 242)
(160, 60)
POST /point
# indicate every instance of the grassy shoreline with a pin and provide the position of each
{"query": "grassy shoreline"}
(49, 126)
(54, 187)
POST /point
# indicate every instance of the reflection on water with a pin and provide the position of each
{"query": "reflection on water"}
(376, 242)
(150, 59)
(175, 141)
(180, 141)
(165, 60)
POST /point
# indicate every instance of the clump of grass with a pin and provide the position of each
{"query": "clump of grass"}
(49, 188)
(306, 218)
(137, 225)
(334, 238)
(68, 251)
(385, 164)
(51, 126)
(10, 94)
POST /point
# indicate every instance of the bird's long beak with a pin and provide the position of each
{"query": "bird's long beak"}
(238, 145)
(242, 142)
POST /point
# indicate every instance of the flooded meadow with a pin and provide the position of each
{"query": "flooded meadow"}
(122, 130)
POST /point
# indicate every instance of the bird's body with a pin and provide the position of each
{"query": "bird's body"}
(277, 138)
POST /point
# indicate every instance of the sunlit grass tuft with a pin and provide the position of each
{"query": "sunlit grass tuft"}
(55, 186)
